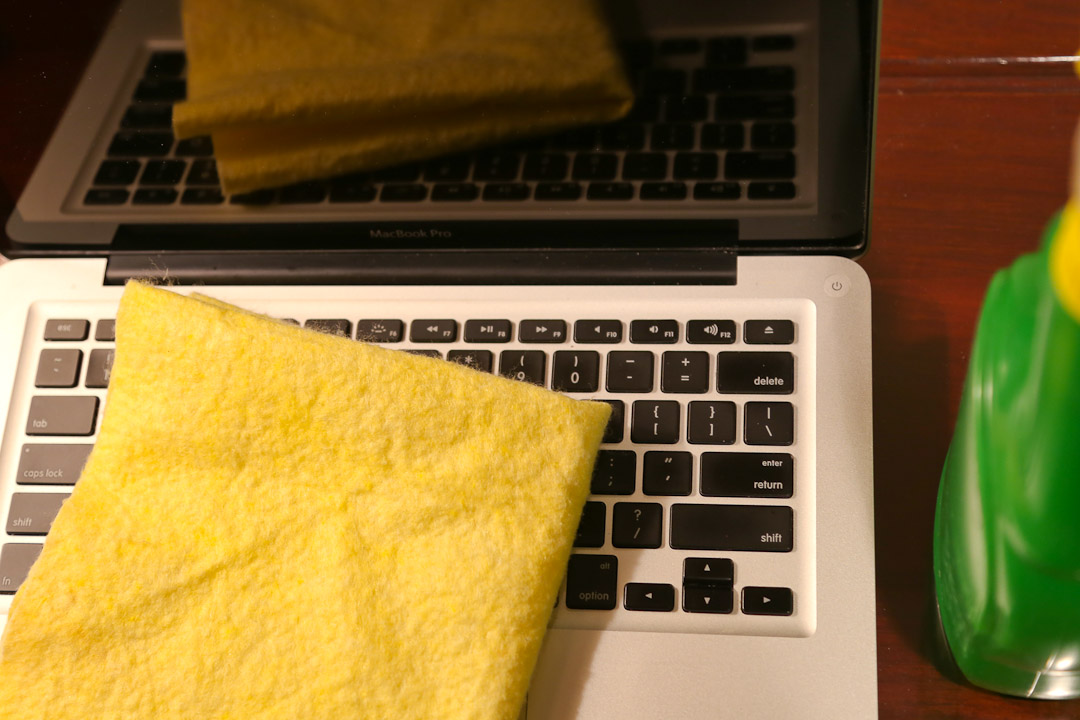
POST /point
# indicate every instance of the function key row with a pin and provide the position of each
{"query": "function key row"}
(76, 330)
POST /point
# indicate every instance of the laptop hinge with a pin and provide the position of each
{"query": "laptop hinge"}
(558, 266)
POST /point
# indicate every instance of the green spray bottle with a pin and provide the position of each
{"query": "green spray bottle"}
(1007, 527)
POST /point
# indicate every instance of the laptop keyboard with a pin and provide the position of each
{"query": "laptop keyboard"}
(714, 122)
(692, 514)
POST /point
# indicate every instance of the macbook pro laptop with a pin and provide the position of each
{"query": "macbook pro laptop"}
(689, 264)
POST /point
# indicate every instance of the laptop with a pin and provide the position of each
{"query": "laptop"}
(691, 265)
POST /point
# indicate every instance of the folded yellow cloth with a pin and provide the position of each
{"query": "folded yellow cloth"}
(276, 523)
(296, 89)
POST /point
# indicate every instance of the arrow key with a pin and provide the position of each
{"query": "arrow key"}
(653, 597)
(767, 601)
(707, 599)
(708, 571)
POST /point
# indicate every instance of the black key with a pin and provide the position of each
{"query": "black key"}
(545, 166)
(576, 371)
(645, 109)
(614, 473)
(663, 191)
(630, 372)
(162, 172)
(587, 138)
(637, 525)
(654, 331)
(351, 189)
(203, 172)
(759, 165)
(752, 528)
(155, 196)
(769, 423)
(558, 191)
(663, 81)
(475, 359)
(667, 473)
(496, 166)
(595, 166)
(202, 196)
(680, 46)
(200, 146)
(696, 166)
(129, 143)
(727, 136)
(58, 368)
(710, 332)
(755, 372)
(611, 191)
(496, 331)
(672, 137)
(542, 331)
(15, 562)
(637, 54)
(97, 196)
(169, 90)
(623, 136)
(656, 421)
(654, 597)
(303, 193)
(258, 197)
(425, 353)
(165, 63)
(144, 116)
(398, 174)
(743, 107)
(455, 192)
(380, 331)
(775, 78)
(613, 432)
(708, 599)
(506, 191)
(708, 571)
(772, 136)
(62, 415)
(598, 331)
(51, 464)
(685, 372)
(771, 191)
(773, 43)
(592, 582)
(686, 108)
(769, 332)
(645, 166)
(117, 172)
(592, 526)
(66, 329)
(711, 423)
(765, 475)
(433, 331)
(99, 368)
(330, 326)
(725, 51)
(767, 601)
(106, 330)
(448, 169)
(403, 193)
(33, 513)
(526, 365)
(717, 191)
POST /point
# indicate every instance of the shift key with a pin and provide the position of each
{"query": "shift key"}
(62, 415)
(41, 464)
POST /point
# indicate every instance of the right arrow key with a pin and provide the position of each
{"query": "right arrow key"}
(767, 601)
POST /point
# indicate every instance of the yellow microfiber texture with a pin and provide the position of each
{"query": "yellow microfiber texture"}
(298, 89)
(276, 523)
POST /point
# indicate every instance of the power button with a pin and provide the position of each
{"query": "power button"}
(837, 285)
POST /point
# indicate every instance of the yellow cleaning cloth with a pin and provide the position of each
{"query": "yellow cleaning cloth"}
(297, 89)
(280, 524)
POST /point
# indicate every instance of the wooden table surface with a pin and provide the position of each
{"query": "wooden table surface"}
(977, 108)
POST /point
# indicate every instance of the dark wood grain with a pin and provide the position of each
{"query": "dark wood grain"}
(975, 121)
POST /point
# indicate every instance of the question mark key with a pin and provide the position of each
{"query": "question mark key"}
(637, 525)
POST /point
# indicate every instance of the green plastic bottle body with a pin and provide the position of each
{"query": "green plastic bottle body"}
(1007, 528)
